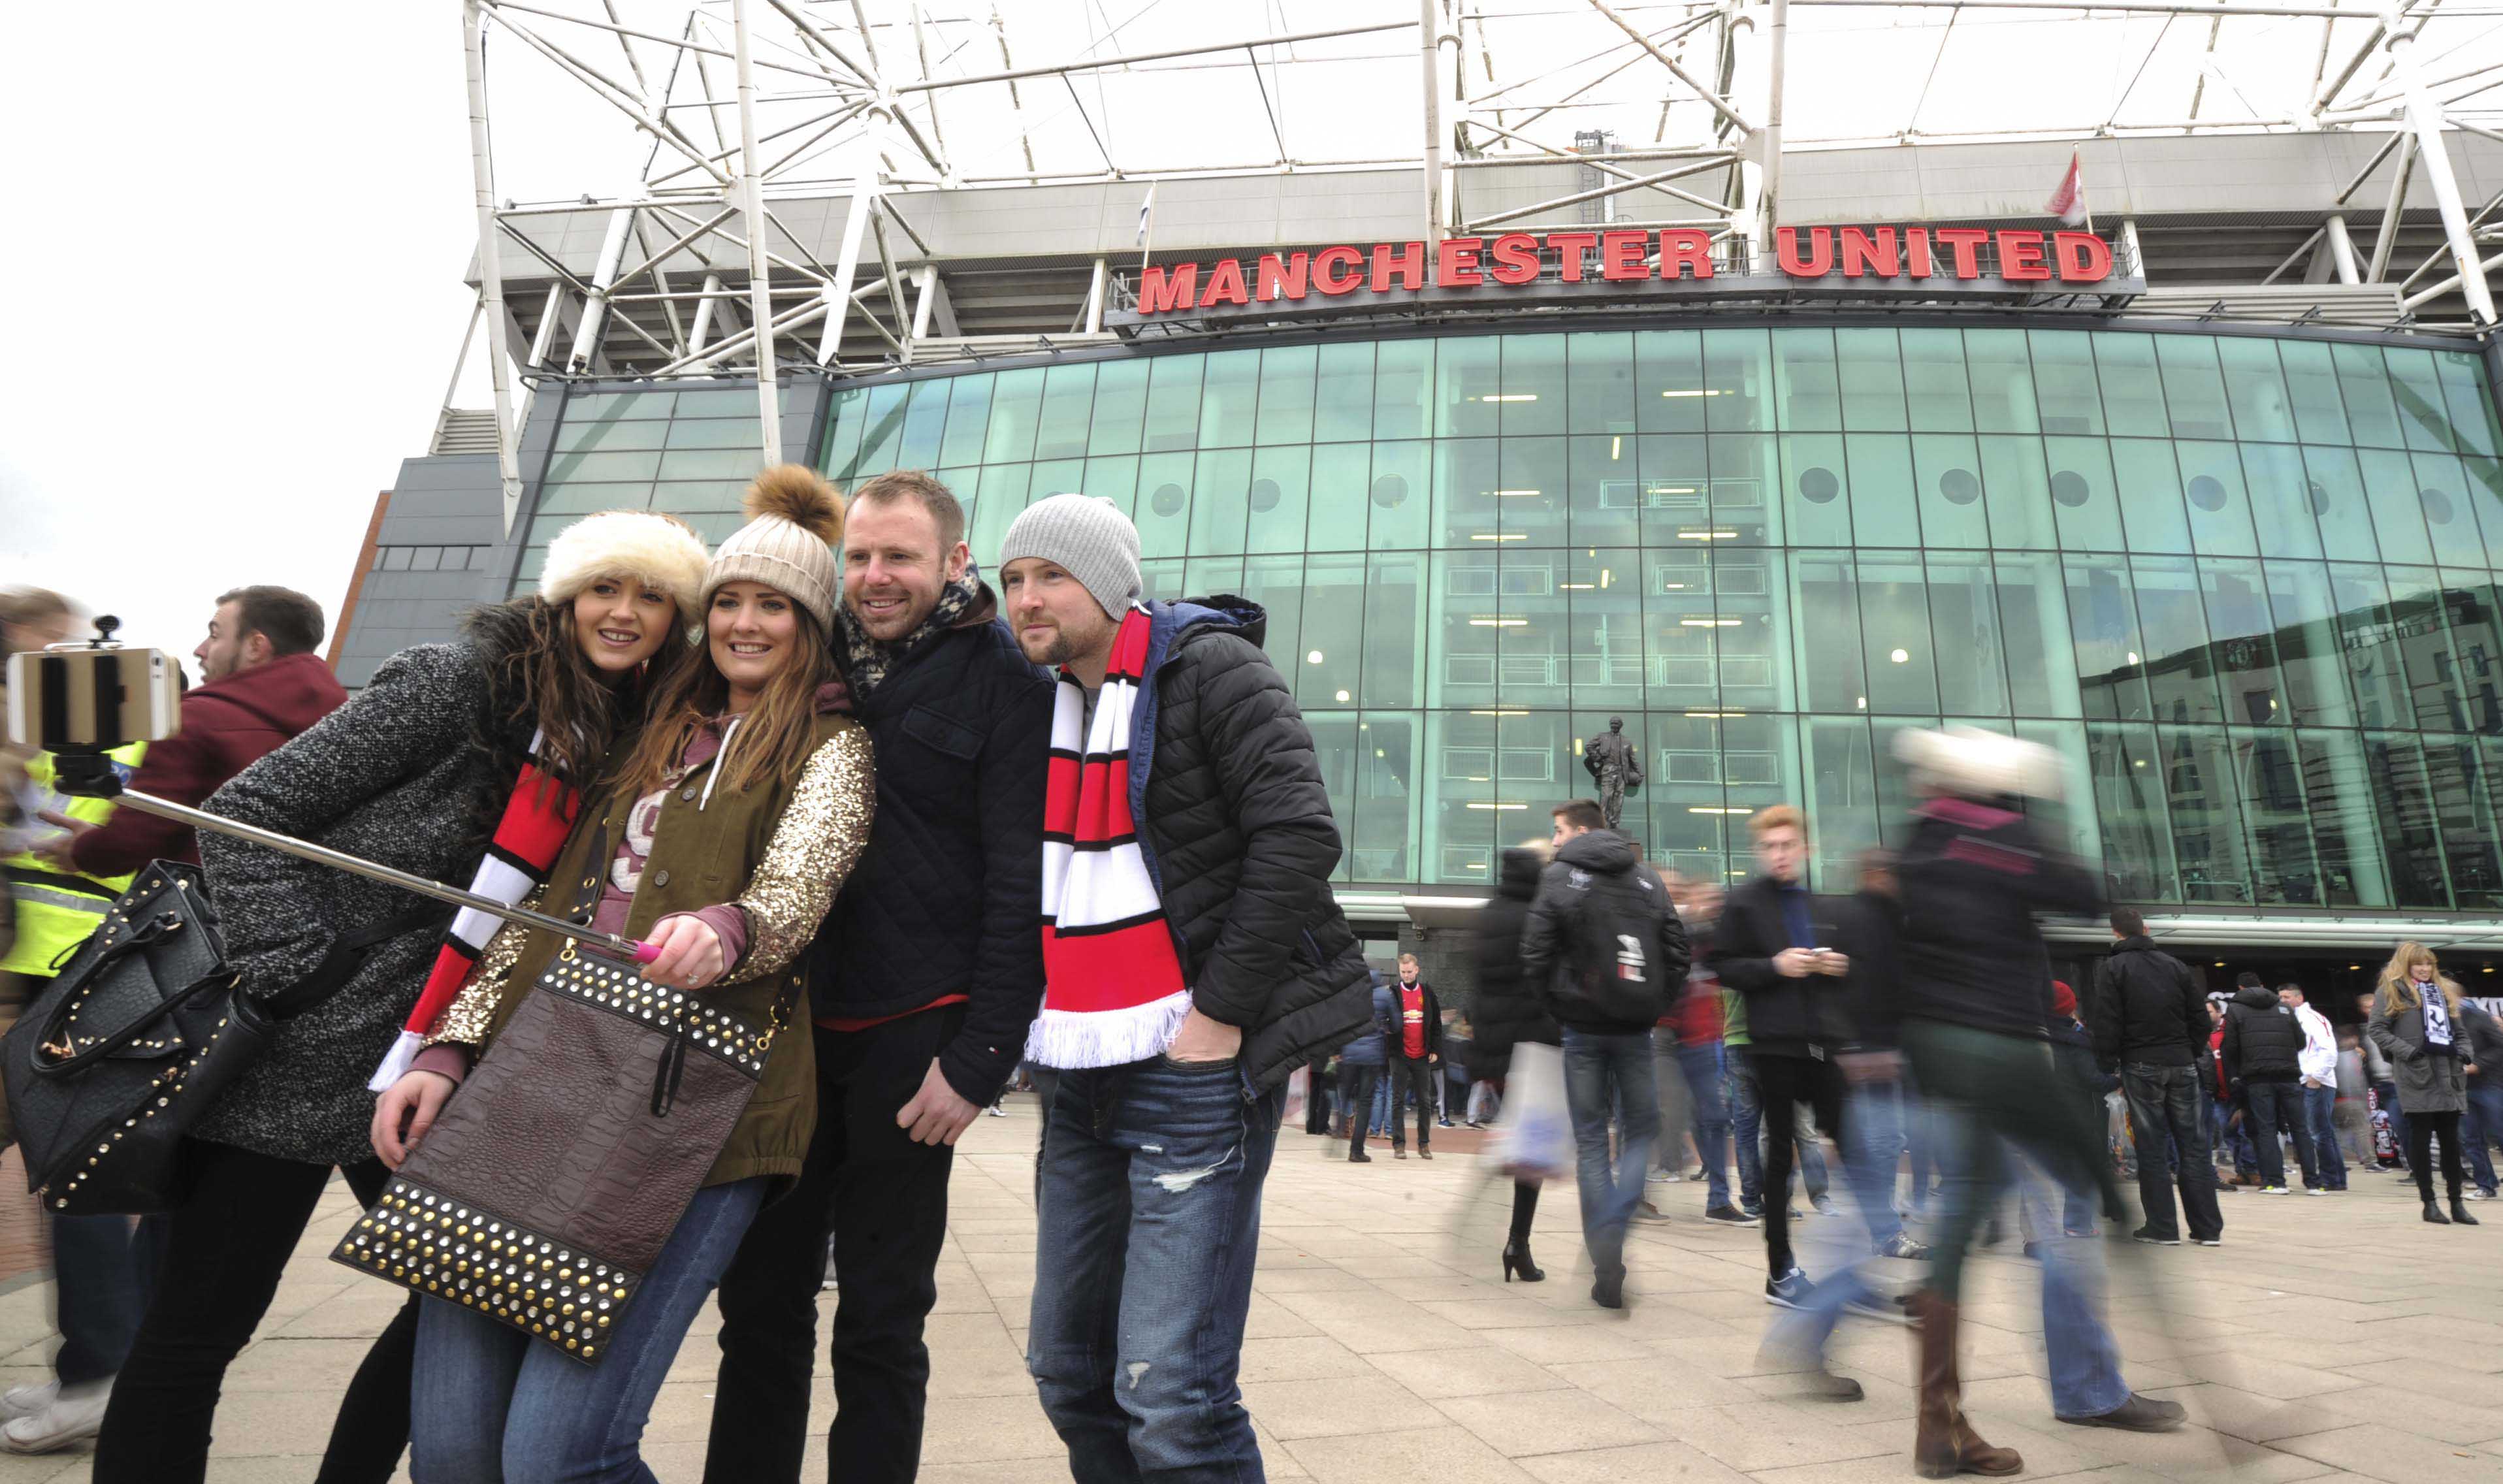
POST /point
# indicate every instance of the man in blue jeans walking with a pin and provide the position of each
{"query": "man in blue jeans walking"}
(1604, 946)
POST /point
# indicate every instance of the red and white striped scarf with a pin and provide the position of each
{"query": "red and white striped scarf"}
(1114, 990)
(536, 819)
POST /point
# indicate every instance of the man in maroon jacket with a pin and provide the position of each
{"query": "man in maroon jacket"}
(261, 684)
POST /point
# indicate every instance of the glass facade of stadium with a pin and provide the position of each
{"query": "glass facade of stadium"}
(2247, 584)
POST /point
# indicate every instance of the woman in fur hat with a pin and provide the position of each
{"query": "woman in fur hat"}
(719, 834)
(450, 764)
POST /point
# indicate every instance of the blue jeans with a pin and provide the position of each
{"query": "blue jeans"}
(2321, 1111)
(2273, 1106)
(1145, 1239)
(489, 1403)
(2083, 1361)
(1604, 1071)
(2237, 1138)
(1701, 1067)
(103, 1272)
(2481, 1124)
(1747, 1129)
(1876, 1121)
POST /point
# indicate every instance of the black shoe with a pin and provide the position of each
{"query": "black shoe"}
(1423, 1153)
(1730, 1216)
(2154, 1238)
(1609, 1290)
(1790, 1290)
(2138, 1414)
(1358, 1157)
(2433, 1214)
(2208, 1241)
(1517, 1263)
(1397, 1152)
(2460, 1215)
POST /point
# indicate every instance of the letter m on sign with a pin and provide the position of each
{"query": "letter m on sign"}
(1163, 290)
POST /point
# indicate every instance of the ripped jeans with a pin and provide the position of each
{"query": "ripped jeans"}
(1147, 1233)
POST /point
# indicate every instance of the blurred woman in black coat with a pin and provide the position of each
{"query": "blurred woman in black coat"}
(1506, 1010)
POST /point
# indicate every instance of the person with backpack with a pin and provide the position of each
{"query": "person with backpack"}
(1606, 948)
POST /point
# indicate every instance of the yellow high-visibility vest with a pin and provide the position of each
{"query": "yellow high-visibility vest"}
(58, 910)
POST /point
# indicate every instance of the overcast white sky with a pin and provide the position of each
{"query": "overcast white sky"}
(238, 232)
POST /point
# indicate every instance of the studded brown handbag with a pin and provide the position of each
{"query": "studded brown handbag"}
(558, 1171)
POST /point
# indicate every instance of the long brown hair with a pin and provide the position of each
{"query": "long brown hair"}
(775, 736)
(543, 682)
(2398, 992)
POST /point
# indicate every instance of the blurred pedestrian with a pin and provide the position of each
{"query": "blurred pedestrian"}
(1511, 1010)
(1360, 1066)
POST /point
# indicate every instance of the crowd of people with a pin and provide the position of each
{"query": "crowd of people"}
(829, 771)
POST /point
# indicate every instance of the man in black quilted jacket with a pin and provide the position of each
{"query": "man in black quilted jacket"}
(1193, 958)
(922, 983)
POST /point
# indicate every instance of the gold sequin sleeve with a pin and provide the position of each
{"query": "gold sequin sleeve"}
(822, 833)
(467, 1020)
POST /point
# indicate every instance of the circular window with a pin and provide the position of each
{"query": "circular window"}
(1264, 494)
(1167, 500)
(1391, 490)
(1819, 486)
(2069, 488)
(2437, 505)
(2206, 493)
(1959, 486)
(2320, 498)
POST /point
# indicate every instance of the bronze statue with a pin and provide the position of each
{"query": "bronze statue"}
(1615, 764)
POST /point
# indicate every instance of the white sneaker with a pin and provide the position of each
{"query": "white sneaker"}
(996, 1110)
(75, 1416)
(26, 1400)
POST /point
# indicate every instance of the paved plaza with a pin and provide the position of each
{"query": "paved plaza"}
(2331, 1338)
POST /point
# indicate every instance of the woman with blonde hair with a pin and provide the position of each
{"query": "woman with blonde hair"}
(2416, 1022)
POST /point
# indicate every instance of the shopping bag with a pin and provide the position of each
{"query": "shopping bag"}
(1533, 1138)
(1299, 1093)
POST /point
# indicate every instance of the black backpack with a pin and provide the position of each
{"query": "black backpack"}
(1611, 948)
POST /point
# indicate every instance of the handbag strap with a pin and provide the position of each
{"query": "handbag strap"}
(347, 952)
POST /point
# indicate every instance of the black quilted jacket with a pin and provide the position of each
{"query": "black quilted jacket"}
(1237, 831)
(947, 899)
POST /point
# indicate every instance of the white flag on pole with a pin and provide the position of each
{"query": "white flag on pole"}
(2069, 202)
(1146, 209)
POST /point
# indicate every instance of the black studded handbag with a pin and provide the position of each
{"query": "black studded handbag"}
(546, 1189)
(144, 1026)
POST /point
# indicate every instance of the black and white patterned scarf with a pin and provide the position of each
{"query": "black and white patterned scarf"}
(868, 662)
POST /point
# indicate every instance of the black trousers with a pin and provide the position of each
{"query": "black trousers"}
(225, 1249)
(2164, 1103)
(885, 1200)
(1356, 1084)
(2422, 1127)
(1785, 1082)
(1420, 1077)
(2276, 1105)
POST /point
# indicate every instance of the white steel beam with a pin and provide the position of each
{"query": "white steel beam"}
(604, 277)
(2388, 235)
(760, 284)
(2342, 250)
(1720, 104)
(2424, 119)
(1428, 50)
(1101, 63)
(490, 271)
(838, 293)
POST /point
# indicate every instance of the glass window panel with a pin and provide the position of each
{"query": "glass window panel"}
(1467, 376)
(2311, 387)
(2424, 419)
(1815, 493)
(1884, 507)
(1068, 401)
(1605, 638)
(1964, 620)
(2208, 839)
(1534, 385)
(2449, 513)
(1825, 632)
(2368, 635)
(882, 430)
(1059, 476)
(2390, 488)
(1220, 501)
(1017, 412)
(2472, 411)
(1841, 797)
(2283, 500)
(2194, 393)
(2474, 677)
(1751, 629)
(1173, 404)
(2020, 495)
(2334, 490)
(1601, 381)
(1343, 401)
(1281, 491)
(2103, 624)
(2403, 799)
(1277, 585)
(1873, 380)
(1462, 827)
(2129, 785)
(969, 418)
(1208, 577)
(1001, 495)
(2364, 384)
(1348, 487)
(718, 403)
(1760, 766)
(1394, 632)
(2311, 647)
(584, 499)
(600, 437)
(1689, 830)
(2033, 618)
(1229, 399)
(1900, 661)
(1467, 626)
(1530, 498)
(1339, 742)
(1287, 373)
(1466, 475)
(2070, 820)
(2485, 486)
(2133, 393)
(706, 463)
(2002, 381)
(1115, 479)
(2255, 388)
(587, 467)
(1671, 393)
(1947, 472)
(2246, 641)
(2181, 669)
(2343, 833)
(1530, 645)
(2064, 379)
(2079, 492)
(1805, 381)
(2151, 507)
(1121, 407)
(1403, 380)
(1679, 633)
(2221, 509)
(2268, 773)
(706, 432)
(843, 435)
(2464, 815)
(2422, 641)
(1399, 499)
(1604, 494)
(1162, 512)
(624, 406)
(1382, 846)
(1935, 389)
(1744, 503)
(1332, 658)
(1737, 381)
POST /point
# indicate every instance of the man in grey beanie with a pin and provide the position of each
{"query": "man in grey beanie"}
(1193, 958)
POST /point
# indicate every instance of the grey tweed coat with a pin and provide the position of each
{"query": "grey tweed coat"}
(400, 774)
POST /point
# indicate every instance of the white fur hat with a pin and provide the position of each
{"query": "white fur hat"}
(660, 549)
(1978, 764)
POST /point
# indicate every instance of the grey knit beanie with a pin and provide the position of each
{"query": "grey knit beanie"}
(1085, 536)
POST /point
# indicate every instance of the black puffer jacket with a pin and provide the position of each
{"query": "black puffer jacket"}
(1972, 878)
(2263, 1040)
(1810, 1015)
(1506, 1009)
(947, 899)
(1596, 894)
(2146, 1007)
(1236, 827)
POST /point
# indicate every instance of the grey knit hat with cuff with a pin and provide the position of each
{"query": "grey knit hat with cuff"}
(1087, 536)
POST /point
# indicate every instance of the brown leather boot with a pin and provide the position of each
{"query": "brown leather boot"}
(1945, 1444)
